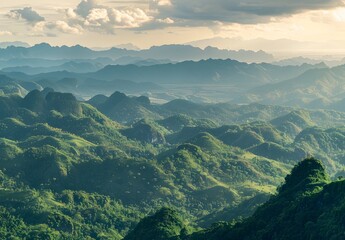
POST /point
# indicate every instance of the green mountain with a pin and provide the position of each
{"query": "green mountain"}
(316, 88)
(69, 172)
(190, 151)
(122, 108)
(86, 73)
(294, 122)
(9, 86)
(146, 132)
(307, 206)
(282, 216)
(177, 114)
(178, 122)
(165, 224)
(215, 71)
(244, 136)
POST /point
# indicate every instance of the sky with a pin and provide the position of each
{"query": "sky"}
(144, 23)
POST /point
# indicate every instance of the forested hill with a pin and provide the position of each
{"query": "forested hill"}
(307, 206)
(70, 171)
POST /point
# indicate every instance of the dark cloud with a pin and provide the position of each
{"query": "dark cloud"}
(27, 14)
(237, 11)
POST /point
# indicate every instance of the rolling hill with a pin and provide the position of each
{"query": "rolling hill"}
(308, 205)
(316, 88)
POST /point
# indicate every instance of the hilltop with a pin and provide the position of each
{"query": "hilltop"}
(302, 209)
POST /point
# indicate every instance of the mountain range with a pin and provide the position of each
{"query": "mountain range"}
(92, 169)
(281, 47)
(171, 52)
(229, 78)
(316, 88)
(308, 86)
(14, 44)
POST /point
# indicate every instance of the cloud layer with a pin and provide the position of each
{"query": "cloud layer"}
(235, 11)
(91, 15)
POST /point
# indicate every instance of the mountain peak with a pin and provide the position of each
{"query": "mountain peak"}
(65, 103)
(306, 175)
(42, 45)
(117, 97)
(165, 224)
(207, 142)
(35, 101)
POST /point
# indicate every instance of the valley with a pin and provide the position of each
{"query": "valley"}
(89, 150)
(129, 157)
(172, 120)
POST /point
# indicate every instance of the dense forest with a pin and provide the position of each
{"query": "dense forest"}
(307, 206)
(172, 120)
(96, 169)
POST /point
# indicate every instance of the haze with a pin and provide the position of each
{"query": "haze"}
(309, 27)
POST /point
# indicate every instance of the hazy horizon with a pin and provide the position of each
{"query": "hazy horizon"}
(172, 119)
(146, 23)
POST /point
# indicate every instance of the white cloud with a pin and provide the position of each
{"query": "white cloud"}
(95, 17)
(6, 33)
(60, 26)
(88, 15)
(70, 13)
(166, 20)
(339, 14)
(129, 18)
(164, 3)
(63, 27)
(39, 27)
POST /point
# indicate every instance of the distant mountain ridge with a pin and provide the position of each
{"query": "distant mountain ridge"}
(282, 46)
(15, 44)
(172, 52)
(206, 71)
(232, 78)
(316, 88)
(71, 66)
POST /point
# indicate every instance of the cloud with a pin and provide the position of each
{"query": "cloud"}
(88, 15)
(27, 14)
(63, 27)
(166, 20)
(40, 25)
(140, 15)
(85, 6)
(235, 11)
(91, 15)
(97, 17)
(6, 33)
(130, 18)
(52, 27)
(164, 3)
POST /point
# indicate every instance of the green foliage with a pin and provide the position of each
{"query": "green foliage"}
(298, 211)
(164, 225)
(178, 122)
(69, 172)
(305, 175)
(294, 122)
(146, 132)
